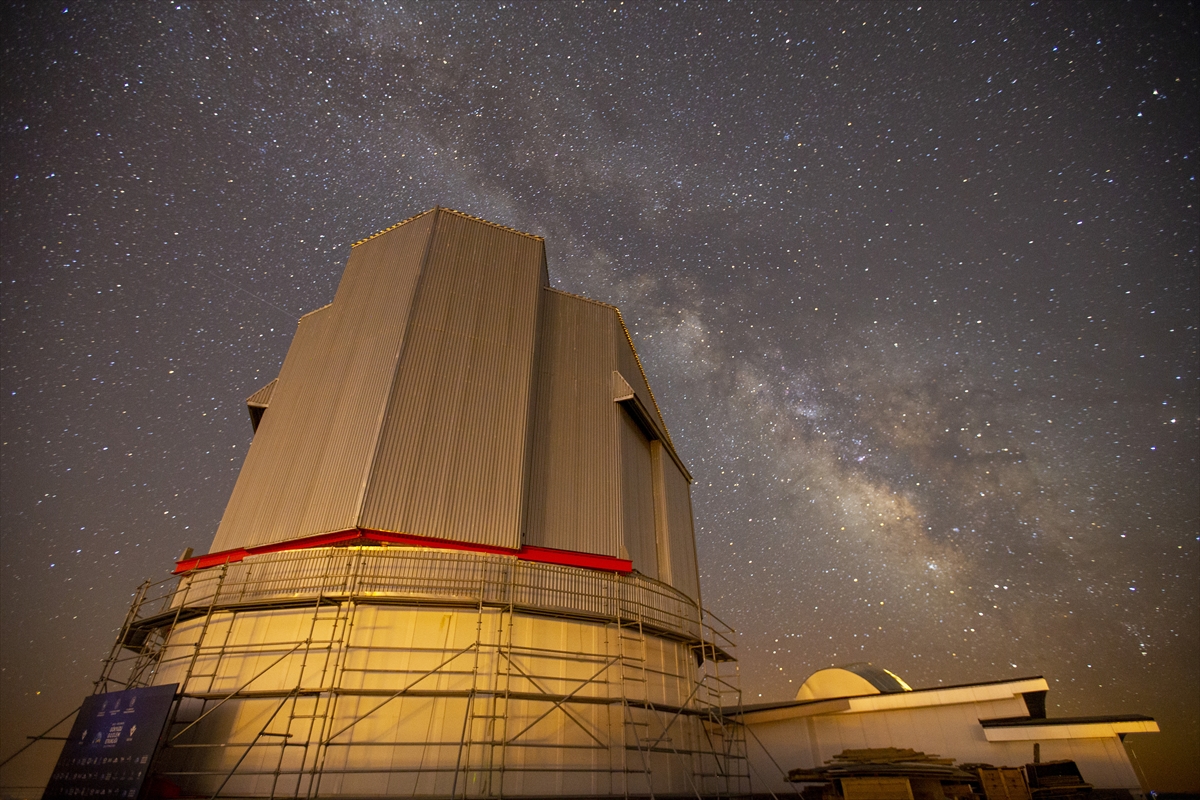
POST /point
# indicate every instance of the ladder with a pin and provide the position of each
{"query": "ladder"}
(186, 686)
(310, 729)
(485, 728)
(154, 648)
(495, 721)
(114, 655)
(730, 772)
(631, 674)
(309, 708)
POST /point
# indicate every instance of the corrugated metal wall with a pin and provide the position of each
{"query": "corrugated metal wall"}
(637, 497)
(452, 453)
(593, 487)
(679, 536)
(449, 392)
(662, 526)
(263, 396)
(574, 485)
(306, 467)
(631, 369)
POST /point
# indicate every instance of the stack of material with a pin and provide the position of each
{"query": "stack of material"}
(882, 761)
(889, 773)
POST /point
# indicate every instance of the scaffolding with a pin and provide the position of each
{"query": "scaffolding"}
(313, 707)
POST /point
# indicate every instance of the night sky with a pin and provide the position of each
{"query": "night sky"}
(915, 285)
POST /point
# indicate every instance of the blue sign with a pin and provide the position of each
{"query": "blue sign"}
(111, 744)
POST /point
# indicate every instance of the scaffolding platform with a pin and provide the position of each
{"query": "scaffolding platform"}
(416, 672)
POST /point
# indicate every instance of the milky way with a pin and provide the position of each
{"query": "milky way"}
(916, 288)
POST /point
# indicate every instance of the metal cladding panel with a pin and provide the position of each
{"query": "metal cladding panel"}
(662, 537)
(257, 403)
(680, 531)
(263, 396)
(308, 463)
(253, 514)
(631, 369)
(574, 485)
(637, 498)
(452, 450)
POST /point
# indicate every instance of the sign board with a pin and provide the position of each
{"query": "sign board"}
(111, 744)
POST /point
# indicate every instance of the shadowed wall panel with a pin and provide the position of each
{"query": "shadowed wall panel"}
(631, 370)
(574, 492)
(637, 497)
(668, 541)
(662, 533)
(452, 451)
(680, 532)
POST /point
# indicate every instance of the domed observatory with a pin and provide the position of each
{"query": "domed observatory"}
(458, 561)
(851, 680)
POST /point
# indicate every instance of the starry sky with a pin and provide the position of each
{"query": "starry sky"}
(915, 285)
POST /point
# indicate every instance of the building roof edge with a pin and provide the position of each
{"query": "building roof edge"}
(457, 213)
(786, 704)
(1027, 722)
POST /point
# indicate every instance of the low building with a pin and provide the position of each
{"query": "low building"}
(1002, 723)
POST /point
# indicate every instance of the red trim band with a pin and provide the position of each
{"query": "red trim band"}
(541, 555)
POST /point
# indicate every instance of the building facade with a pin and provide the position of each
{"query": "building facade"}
(1003, 723)
(459, 558)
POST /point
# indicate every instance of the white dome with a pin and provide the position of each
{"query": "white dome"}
(851, 680)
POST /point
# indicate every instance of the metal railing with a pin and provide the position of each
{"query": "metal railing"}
(698, 729)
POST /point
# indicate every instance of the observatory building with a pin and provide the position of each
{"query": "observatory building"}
(861, 709)
(459, 561)
(459, 558)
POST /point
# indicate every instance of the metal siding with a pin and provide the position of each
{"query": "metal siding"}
(662, 528)
(676, 508)
(681, 535)
(589, 674)
(306, 467)
(254, 513)
(263, 396)
(633, 377)
(531, 410)
(452, 451)
(574, 494)
(631, 369)
(637, 498)
(409, 409)
(621, 388)
(335, 493)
